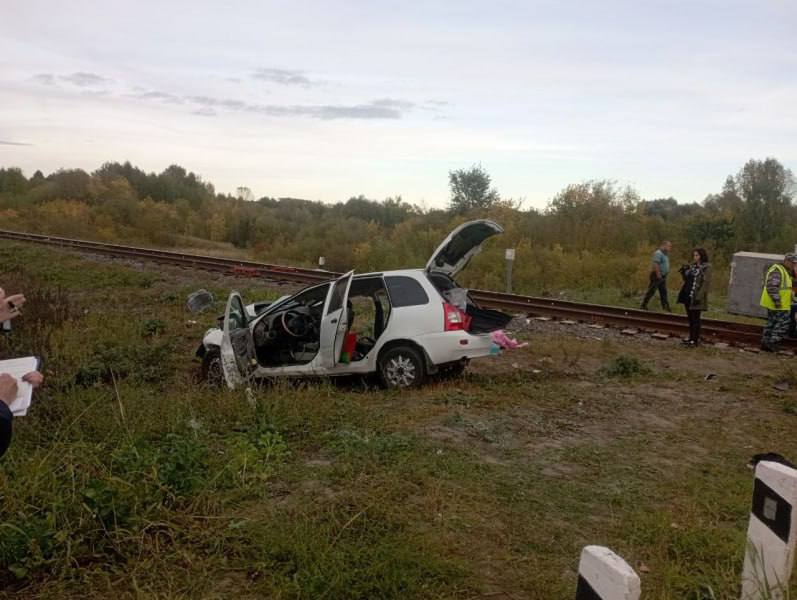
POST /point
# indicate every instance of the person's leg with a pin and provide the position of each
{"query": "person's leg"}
(780, 327)
(691, 315)
(651, 290)
(766, 335)
(792, 322)
(775, 330)
(698, 325)
(665, 302)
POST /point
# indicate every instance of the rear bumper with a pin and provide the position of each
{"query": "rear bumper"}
(452, 346)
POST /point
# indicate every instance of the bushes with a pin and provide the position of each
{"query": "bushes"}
(624, 366)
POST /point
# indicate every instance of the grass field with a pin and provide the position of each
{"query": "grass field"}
(128, 478)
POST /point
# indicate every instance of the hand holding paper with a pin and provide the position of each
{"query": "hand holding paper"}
(23, 378)
(34, 378)
(8, 388)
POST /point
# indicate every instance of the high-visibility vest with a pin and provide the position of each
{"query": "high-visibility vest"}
(785, 290)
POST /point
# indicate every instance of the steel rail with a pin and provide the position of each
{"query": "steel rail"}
(713, 329)
(625, 317)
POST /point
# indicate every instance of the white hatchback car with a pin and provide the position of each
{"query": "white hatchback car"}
(412, 323)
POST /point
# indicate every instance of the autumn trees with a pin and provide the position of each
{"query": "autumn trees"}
(602, 228)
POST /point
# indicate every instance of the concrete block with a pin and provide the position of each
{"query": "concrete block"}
(772, 533)
(602, 575)
(747, 280)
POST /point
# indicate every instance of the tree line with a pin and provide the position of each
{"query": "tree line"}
(592, 234)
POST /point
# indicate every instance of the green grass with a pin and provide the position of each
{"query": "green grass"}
(129, 478)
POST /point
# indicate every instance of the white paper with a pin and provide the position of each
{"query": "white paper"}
(17, 367)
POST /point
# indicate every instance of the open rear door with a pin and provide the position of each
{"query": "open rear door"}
(334, 322)
(237, 345)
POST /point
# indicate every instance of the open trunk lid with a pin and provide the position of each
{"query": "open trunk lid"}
(461, 245)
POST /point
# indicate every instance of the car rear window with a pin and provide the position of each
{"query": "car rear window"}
(405, 291)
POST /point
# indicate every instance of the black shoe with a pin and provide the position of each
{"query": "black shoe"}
(689, 343)
(766, 347)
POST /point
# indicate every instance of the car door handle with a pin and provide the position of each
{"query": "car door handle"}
(333, 321)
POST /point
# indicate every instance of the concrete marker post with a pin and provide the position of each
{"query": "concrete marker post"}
(510, 259)
(602, 575)
(772, 533)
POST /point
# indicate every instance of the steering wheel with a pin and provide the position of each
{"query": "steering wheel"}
(294, 323)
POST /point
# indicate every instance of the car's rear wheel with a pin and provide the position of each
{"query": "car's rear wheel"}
(212, 372)
(401, 367)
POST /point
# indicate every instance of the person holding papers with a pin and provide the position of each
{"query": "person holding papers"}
(8, 391)
(13, 396)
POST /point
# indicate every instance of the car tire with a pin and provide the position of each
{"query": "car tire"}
(212, 372)
(401, 367)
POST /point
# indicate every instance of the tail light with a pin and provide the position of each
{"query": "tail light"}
(455, 319)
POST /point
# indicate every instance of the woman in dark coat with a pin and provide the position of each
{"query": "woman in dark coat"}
(694, 293)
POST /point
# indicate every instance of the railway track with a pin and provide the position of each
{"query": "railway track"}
(642, 321)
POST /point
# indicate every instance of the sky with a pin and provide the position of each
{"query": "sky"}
(328, 100)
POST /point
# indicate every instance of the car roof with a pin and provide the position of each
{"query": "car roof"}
(383, 273)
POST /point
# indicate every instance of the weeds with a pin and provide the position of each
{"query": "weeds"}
(624, 366)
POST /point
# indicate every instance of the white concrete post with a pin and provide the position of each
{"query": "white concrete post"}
(509, 254)
(321, 262)
(602, 575)
(772, 533)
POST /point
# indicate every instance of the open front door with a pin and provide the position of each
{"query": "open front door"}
(237, 346)
(334, 322)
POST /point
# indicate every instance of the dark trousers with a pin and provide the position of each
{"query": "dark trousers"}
(694, 324)
(661, 286)
(792, 322)
(777, 327)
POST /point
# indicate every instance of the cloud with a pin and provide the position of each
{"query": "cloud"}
(45, 78)
(8, 143)
(376, 109)
(158, 96)
(380, 108)
(284, 77)
(383, 108)
(218, 102)
(83, 79)
(392, 103)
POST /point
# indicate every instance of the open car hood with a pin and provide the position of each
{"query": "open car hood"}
(461, 245)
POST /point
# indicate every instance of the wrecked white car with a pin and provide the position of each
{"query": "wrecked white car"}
(402, 325)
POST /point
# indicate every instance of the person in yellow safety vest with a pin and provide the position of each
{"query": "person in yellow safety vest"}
(776, 298)
(793, 313)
